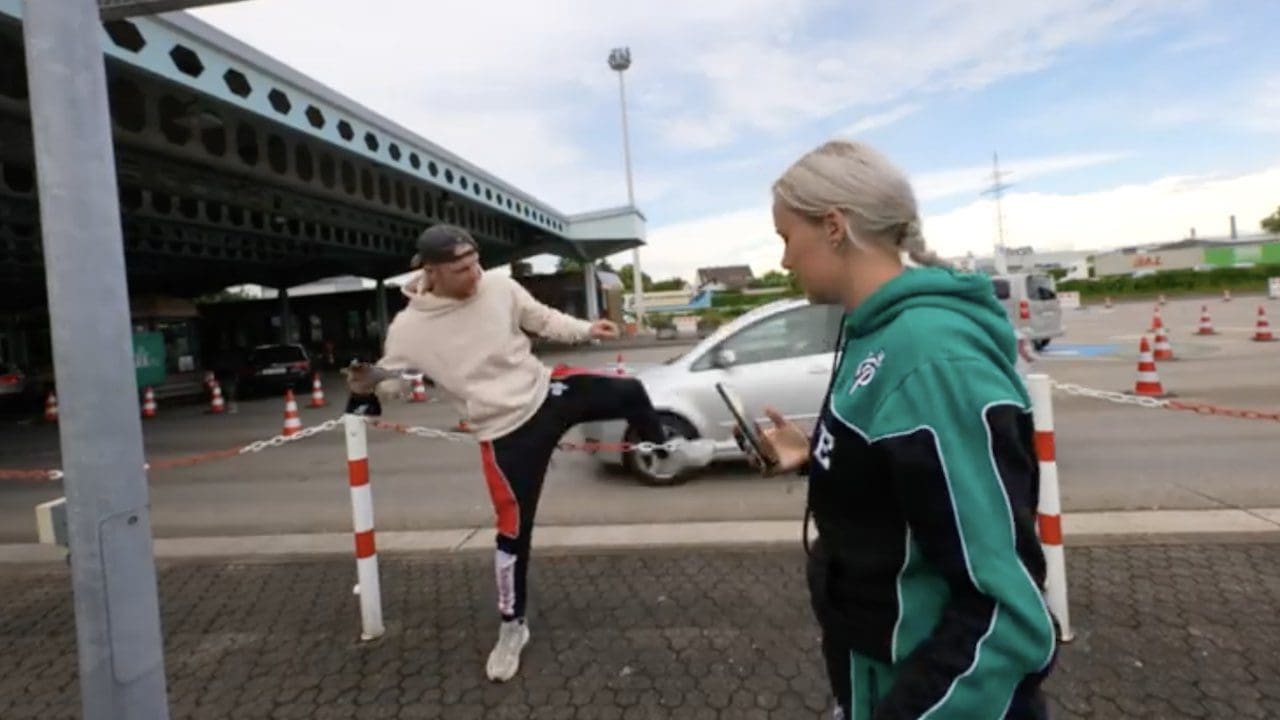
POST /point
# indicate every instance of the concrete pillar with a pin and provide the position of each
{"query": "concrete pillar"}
(592, 286)
(380, 298)
(284, 315)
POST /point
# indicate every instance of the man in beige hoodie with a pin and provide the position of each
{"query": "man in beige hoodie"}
(464, 329)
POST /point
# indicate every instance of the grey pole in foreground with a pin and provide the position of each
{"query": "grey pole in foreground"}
(112, 570)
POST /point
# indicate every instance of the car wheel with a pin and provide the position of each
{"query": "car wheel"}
(645, 468)
(1040, 344)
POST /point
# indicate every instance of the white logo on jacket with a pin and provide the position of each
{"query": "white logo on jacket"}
(866, 370)
(824, 447)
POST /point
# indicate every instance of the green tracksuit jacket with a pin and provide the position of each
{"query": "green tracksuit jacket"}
(924, 486)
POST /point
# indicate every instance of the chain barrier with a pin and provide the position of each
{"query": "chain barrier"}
(1164, 403)
(189, 460)
(1120, 398)
(455, 436)
(1109, 395)
(1206, 409)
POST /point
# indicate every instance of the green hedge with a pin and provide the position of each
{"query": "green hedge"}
(1176, 282)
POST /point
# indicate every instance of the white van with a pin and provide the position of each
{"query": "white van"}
(1031, 301)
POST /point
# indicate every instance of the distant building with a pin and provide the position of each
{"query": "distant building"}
(1026, 259)
(728, 277)
(1190, 254)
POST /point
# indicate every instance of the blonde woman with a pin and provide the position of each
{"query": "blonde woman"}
(923, 479)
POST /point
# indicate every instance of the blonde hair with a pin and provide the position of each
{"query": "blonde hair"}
(872, 194)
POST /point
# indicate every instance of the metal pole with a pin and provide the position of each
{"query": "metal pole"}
(591, 287)
(637, 275)
(368, 587)
(1049, 513)
(113, 572)
(1001, 260)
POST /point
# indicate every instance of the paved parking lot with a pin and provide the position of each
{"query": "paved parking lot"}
(1162, 632)
(1111, 456)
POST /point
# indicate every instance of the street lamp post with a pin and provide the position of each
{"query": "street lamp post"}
(619, 62)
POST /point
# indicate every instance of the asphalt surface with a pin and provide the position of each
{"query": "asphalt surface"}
(1166, 631)
(1111, 456)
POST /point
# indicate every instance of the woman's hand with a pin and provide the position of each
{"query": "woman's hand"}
(785, 444)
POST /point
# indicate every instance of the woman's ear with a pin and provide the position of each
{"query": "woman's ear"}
(833, 223)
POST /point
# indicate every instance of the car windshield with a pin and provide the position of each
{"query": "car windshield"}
(277, 354)
(1040, 287)
(1002, 288)
(806, 330)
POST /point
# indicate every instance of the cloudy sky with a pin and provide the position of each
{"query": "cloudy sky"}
(1119, 121)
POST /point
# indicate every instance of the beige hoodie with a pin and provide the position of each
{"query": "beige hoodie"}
(474, 349)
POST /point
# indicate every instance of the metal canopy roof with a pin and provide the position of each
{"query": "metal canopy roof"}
(235, 168)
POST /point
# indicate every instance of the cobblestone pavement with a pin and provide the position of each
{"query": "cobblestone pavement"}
(1177, 631)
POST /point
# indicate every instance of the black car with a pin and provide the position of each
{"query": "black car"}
(16, 388)
(273, 368)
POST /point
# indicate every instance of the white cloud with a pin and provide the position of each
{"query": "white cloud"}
(520, 89)
(1162, 210)
(1266, 112)
(742, 237)
(1199, 41)
(878, 120)
(938, 184)
(772, 81)
(523, 90)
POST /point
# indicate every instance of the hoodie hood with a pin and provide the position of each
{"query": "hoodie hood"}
(968, 294)
(424, 301)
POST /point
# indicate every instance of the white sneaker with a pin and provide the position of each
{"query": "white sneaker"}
(504, 661)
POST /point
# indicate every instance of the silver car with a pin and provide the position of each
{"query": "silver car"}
(1031, 302)
(779, 355)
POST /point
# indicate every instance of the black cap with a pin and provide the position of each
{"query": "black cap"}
(441, 244)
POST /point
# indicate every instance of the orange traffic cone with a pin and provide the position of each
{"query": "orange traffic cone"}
(317, 392)
(1163, 350)
(463, 426)
(1263, 331)
(1148, 381)
(1206, 322)
(419, 390)
(1226, 296)
(619, 367)
(1156, 322)
(148, 403)
(292, 425)
(51, 407)
(216, 405)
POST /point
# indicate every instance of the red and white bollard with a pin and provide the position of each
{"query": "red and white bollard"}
(1050, 510)
(369, 588)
